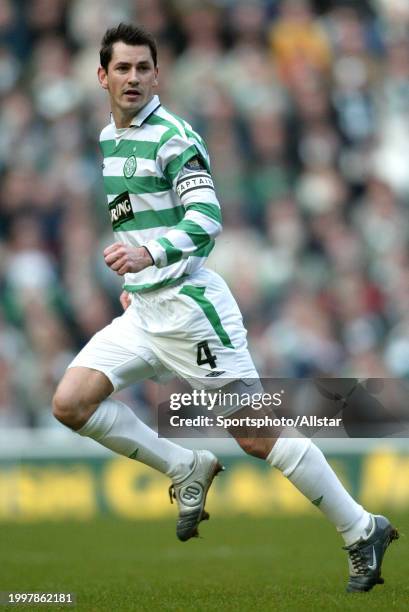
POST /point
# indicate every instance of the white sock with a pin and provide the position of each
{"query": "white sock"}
(306, 467)
(115, 426)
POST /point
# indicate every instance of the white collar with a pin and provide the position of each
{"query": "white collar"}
(144, 112)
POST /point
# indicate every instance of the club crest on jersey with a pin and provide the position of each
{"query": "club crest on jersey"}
(130, 167)
(120, 210)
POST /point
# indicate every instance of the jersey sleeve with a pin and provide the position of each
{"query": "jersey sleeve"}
(184, 162)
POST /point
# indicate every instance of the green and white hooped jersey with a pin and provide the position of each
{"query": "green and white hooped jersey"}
(160, 194)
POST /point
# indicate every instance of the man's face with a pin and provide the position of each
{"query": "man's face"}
(130, 80)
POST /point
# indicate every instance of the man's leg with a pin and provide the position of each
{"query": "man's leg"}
(366, 536)
(82, 403)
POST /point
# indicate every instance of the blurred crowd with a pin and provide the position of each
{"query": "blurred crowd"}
(305, 109)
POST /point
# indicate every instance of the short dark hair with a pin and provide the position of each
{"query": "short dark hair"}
(130, 35)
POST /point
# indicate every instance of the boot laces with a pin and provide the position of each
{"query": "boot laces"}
(358, 560)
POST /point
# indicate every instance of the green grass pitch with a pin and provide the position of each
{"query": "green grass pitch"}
(243, 563)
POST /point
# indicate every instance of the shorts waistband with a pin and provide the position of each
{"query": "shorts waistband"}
(161, 294)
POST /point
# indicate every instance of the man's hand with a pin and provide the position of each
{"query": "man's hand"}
(122, 258)
(125, 299)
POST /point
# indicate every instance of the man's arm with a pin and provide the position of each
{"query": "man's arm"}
(185, 164)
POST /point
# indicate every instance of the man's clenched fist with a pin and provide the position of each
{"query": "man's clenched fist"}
(122, 258)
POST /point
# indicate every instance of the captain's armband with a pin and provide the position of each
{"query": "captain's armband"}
(194, 176)
(192, 182)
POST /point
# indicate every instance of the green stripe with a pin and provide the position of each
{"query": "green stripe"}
(210, 210)
(171, 132)
(172, 253)
(204, 251)
(156, 120)
(136, 185)
(147, 219)
(196, 137)
(197, 294)
(174, 167)
(201, 142)
(144, 149)
(153, 286)
(196, 233)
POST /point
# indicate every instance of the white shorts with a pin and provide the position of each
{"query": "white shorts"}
(194, 330)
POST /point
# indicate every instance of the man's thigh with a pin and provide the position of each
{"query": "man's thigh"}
(122, 353)
(207, 341)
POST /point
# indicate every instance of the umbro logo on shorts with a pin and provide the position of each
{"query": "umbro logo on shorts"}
(215, 373)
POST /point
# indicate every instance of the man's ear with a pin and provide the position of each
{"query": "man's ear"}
(102, 77)
(156, 82)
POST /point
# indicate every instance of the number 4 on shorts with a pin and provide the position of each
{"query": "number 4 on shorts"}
(204, 355)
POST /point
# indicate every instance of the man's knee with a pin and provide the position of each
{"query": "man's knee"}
(62, 406)
(78, 395)
(67, 408)
(257, 447)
